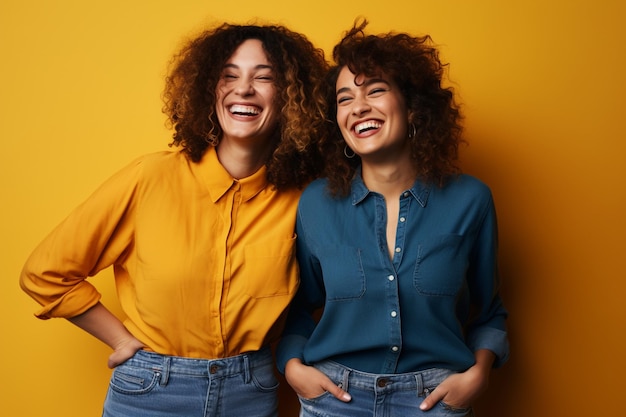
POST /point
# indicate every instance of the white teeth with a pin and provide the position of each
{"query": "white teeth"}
(362, 127)
(240, 109)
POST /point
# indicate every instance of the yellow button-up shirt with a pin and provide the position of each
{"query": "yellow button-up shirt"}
(204, 264)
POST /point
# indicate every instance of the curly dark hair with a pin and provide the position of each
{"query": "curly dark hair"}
(300, 67)
(414, 64)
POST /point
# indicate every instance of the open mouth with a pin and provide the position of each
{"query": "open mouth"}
(241, 110)
(367, 126)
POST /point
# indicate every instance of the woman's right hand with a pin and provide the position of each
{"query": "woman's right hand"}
(308, 382)
(106, 327)
(125, 350)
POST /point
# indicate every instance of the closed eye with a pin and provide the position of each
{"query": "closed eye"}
(377, 91)
(229, 76)
(343, 99)
(265, 78)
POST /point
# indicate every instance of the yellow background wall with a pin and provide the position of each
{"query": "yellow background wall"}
(543, 88)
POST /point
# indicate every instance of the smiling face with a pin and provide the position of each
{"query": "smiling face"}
(246, 96)
(372, 116)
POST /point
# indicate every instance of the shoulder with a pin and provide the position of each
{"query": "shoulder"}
(463, 194)
(468, 186)
(157, 164)
(315, 190)
(316, 198)
(147, 169)
(157, 159)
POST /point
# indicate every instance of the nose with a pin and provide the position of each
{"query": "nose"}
(244, 87)
(360, 106)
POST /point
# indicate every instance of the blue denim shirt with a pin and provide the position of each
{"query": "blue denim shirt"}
(431, 306)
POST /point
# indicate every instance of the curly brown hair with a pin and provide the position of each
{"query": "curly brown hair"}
(414, 64)
(300, 67)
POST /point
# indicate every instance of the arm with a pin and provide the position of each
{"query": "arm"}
(93, 237)
(486, 332)
(305, 380)
(486, 328)
(102, 324)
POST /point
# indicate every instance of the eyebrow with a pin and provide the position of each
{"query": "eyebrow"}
(257, 67)
(369, 81)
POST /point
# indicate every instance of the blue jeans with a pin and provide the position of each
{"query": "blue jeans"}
(396, 395)
(154, 385)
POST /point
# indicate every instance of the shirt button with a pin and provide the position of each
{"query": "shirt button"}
(402, 219)
(394, 348)
(398, 250)
(391, 278)
(394, 314)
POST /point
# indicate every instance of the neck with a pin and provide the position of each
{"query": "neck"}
(390, 180)
(241, 161)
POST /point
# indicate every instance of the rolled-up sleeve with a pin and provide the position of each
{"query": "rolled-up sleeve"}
(94, 236)
(487, 327)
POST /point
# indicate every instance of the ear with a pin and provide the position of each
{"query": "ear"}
(411, 127)
(410, 116)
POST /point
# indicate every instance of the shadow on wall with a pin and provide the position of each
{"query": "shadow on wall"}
(496, 165)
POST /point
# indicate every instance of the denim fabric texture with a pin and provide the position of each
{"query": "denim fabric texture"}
(432, 304)
(154, 385)
(395, 395)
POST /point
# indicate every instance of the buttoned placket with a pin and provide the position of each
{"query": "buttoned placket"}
(234, 201)
(392, 288)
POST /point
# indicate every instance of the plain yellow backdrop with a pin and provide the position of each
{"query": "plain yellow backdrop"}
(542, 84)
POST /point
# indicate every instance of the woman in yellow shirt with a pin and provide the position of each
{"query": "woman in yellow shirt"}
(201, 238)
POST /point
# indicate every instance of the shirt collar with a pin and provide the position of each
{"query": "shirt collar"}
(219, 181)
(419, 190)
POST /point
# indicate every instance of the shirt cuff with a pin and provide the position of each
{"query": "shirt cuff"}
(491, 339)
(290, 347)
(73, 303)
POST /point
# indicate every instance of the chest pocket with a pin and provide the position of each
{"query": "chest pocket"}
(343, 274)
(441, 266)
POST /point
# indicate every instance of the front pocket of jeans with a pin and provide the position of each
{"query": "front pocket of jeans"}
(132, 380)
(314, 400)
(454, 410)
(264, 379)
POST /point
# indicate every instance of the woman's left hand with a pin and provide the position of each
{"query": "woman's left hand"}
(460, 390)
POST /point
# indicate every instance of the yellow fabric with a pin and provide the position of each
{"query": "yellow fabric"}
(204, 264)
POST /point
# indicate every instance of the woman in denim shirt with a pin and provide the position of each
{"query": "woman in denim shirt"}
(396, 245)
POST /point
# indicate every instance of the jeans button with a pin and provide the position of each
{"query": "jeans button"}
(382, 382)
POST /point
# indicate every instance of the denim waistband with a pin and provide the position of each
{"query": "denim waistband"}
(422, 381)
(213, 368)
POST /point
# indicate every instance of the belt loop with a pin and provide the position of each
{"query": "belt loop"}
(246, 366)
(419, 381)
(166, 370)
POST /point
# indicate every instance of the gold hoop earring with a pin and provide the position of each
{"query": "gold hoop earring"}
(345, 152)
(412, 131)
